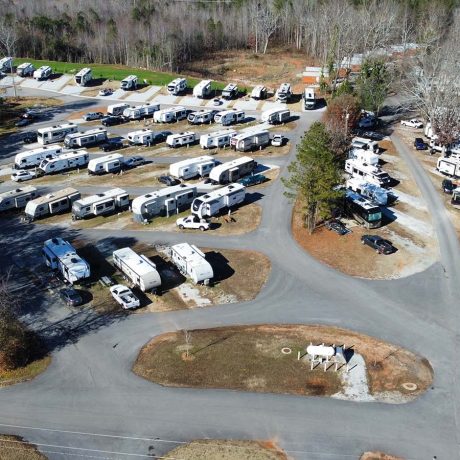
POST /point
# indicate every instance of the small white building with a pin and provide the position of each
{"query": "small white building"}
(52, 203)
(191, 262)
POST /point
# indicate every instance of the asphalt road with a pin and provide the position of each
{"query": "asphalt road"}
(90, 404)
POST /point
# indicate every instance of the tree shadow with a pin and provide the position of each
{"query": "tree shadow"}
(220, 266)
(95, 82)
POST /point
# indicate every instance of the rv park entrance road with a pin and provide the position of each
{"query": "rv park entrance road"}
(90, 404)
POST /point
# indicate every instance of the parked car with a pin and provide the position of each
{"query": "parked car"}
(29, 137)
(111, 145)
(132, 162)
(373, 135)
(278, 140)
(124, 296)
(448, 186)
(413, 123)
(160, 136)
(168, 180)
(71, 297)
(380, 245)
(420, 144)
(23, 175)
(367, 122)
(2, 74)
(216, 102)
(193, 222)
(93, 116)
(105, 92)
(336, 226)
(112, 120)
(23, 122)
(252, 180)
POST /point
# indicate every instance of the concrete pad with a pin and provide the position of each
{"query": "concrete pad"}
(143, 97)
(164, 99)
(57, 84)
(119, 94)
(224, 104)
(8, 81)
(77, 121)
(31, 83)
(69, 89)
(273, 105)
(246, 105)
(191, 101)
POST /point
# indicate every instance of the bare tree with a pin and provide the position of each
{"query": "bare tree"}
(8, 39)
(188, 342)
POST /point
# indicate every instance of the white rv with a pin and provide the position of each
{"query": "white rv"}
(117, 109)
(368, 173)
(32, 158)
(169, 115)
(177, 86)
(60, 255)
(201, 117)
(115, 199)
(365, 157)
(230, 117)
(214, 202)
(140, 270)
(428, 130)
(141, 111)
(250, 140)
(283, 93)
(192, 167)
(259, 92)
(309, 98)
(56, 133)
(43, 72)
(191, 262)
(180, 139)
(141, 137)
(162, 202)
(64, 162)
(366, 144)
(25, 70)
(217, 139)
(276, 116)
(232, 170)
(449, 166)
(84, 76)
(89, 138)
(6, 63)
(17, 198)
(130, 82)
(52, 203)
(107, 164)
(202, 89)
(230, 91)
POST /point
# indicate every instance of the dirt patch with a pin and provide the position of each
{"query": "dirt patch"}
(16, 448)
(75, 115)
(249, 358)
(378, 456)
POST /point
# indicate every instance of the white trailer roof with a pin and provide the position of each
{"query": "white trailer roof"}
(24, 65)
(95, 161)
(179, 135)
(216, 134)
(57, 195)
(226, 112)
(90, 132)
(65, 156)
(218, 170)
(190, 162)
(130, 77)
(83, 72)
(220, 192)
(176, 108)
(56, 127)
(17, 192)
(112, 193)
(68, 257)
(140, 265)
(140, 132)
(52, 149)
(203, 84)
(246, 134)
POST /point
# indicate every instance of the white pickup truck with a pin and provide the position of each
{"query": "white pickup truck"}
(193, 222)
(124, 296)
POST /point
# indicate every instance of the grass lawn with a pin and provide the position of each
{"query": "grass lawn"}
(25, 373)
(15, 448)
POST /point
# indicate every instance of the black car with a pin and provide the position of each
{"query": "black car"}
(380, 245)
(113, 120)
(420, 144)
(160, 137)
(448, 186)
(29, 137)
(336, 226)
(168, 180)
(71, 297)
(111, 145)
(23, 122)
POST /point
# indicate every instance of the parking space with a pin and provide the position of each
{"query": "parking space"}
(143, 97)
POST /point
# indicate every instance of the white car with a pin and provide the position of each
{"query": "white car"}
(124, 296)
(90, 116)
(414, 123)
(278, 140)
(22, 175)
(193, 222)
(105, 92)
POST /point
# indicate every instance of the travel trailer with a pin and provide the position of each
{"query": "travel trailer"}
(61, 256)
(232, 170)
(139, 269)
(191, 262)
(17, 198)
(203, 89)
(214, 202)
(309, 98)
(449, 166)
(141, 111)
(230, 91)
(88, 138)
(180, 139)
(117, 109)
(276, 116)
(217, 139)
(259, 92)
(170, 115)
(230, 117)
(201, 117)
(362, 210)
(56, 133)
(6, 63)
(32, 158)
(283, 93)
(112, 200)
(376, 194)
(365, 144)
(52, 203)
(141, 137)
(165, 201)
(365, 157)
(367, 173)
(84, 76)
(192, 167)
(107, 164)
(64, 162)
(129, 83)
(250, 140)
(177, 86)
(25, 70)
(43, 72)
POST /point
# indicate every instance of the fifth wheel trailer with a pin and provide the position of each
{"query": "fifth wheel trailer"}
(217, 139)
(201, 117)
(129, 83)
(141, 137)
(449, 167)
(214, 202)
(203, 89)
(32, 158)
(170, 114)
(232, 170)
(192, 167)
(276, 116)
(177, 86)
(84, 76)
(17, 198)
(250, 140)
(229, 117)
(65, 162)
(117, 109)
(52, 203)
(107, 164)
(191, 262)
(115, 199)
(43, 72)
(89, 138)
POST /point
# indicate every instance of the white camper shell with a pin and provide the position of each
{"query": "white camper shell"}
(64, 162)
(283, 93)
(214, 202)
(230, 91)
(107, 164)
(139, 269)
(309, 98)
(6, 64)
(230, 117)
(365, 157)
(60, 255)
(88, 138)
(276, 116)
(449, 166)
(32, 158)
(192, 167)
(366, 144)
(250, 140)
(25, 70)
(367, 173)
(202, 89)
(141, 137)
(52, 203)
(128, 83)
(191, 262)
(100, 204)
(232, 170)
(201, 117)
(43, 72)
(56, 133)
(170, 115)
(117, 109)
(217, 139)
(259, 92)
(17, 198)
(177, 86)
(163, 202)
(180, 139)
(141, 111)
(83, 77)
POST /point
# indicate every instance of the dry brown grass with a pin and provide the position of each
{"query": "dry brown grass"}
(15, 448)
(25, 373)
(378, 456)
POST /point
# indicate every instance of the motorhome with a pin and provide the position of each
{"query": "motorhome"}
(201, 117)
(25, 70)
(52, 203)
(177, 86)
(6, 63)
(141, 111)
(259, 92)
(43, 72)
(84, 76)
(230, 117)
(230, 91)
(192, 167)
(365, 157)
(203, 89)
(448, 166)
(376, 194)
(129, 83)
(139, 269)
(309, 98)
(169, 115)
(33, 158)
(214, 202)
(61, 256)
(117, 109)
(112, 200)
(141, 137)
(276, 116)
(64, 162)
(89, 138)
(232, 170)
(283, 93)
(250, 140)
(217, 139)
(165, 201)
(180, 139)
(191, 262)
(56, 133)
(107, 164)
(428, 130)
(368, 173)
(17, 198)
(365, 144)
(362, 210)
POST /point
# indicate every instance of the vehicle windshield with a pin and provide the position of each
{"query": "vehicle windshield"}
(196, 204)
(374, 216)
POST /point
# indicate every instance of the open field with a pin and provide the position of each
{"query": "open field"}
(16, 448)
(250, 358)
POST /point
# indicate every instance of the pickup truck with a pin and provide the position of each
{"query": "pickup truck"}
(193, 222)
(252, 180)
(124, 296)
